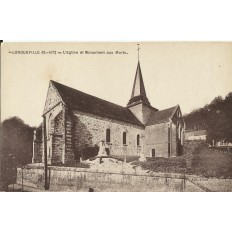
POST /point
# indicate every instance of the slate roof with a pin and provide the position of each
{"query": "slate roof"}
(78, 100)
(161, 116)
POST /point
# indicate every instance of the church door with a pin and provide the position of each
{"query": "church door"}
(153, 152)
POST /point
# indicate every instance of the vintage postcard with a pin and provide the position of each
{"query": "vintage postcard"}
(116, 117)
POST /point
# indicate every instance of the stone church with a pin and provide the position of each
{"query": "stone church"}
(76, 125)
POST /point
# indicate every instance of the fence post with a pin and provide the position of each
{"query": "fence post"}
(184, 183)
(45, 154)
(22, 178)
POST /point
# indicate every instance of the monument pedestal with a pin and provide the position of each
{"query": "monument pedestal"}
(102, 149)
(142, 157)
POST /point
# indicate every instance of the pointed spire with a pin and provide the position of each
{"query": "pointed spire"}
(138, 92)
(138, 87)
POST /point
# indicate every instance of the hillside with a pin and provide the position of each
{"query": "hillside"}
(215, 117)
(198, 159)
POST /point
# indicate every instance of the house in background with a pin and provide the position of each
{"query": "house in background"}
(196, 135)
(77, 125)
(221, 143)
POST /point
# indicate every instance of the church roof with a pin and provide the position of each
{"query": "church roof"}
(161, 116)
(138, 94)
(78, 100)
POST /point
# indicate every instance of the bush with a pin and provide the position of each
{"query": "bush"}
(89, 152)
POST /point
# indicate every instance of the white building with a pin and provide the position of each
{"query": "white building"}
(196, 135)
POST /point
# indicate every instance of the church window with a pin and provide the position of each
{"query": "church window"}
(178, 128)
(124, 138)
(108, 135)
(153, 152)
(138, 140)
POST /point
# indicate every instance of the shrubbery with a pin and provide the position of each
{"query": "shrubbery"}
(198, 159)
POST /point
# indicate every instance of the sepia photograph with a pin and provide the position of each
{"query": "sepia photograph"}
(116, 117)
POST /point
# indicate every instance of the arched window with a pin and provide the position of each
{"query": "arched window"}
(153, 152)
(124, 138)
(108, 135)
(138, 140)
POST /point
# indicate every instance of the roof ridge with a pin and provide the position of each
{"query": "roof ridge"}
(84, 102)
(168, 108)
(88, 94)
(161, 115)
(174, 111)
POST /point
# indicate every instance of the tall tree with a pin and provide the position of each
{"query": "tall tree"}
(17, 140)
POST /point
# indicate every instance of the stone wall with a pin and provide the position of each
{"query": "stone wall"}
(173, 138)
(89, 130)
(85, 131)
(52, 98)
(156, 137)
(77, 179)
(69, 137)
(81, 131)
(32, 177)
(57, 139)
(53, 112)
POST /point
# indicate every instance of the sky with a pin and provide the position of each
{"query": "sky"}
(190, 74)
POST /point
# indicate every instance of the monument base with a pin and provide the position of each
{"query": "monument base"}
(102, 154)
(142, 158)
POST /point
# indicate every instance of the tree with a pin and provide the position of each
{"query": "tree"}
(17, 140)
(215, 117)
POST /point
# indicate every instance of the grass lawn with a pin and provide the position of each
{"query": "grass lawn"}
(198, 159)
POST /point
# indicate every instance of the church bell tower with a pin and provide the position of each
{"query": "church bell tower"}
(138, 94)
(139, 103)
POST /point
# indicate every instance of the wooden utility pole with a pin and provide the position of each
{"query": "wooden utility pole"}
(45, 155)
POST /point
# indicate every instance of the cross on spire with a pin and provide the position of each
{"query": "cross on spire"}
(138, 50)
